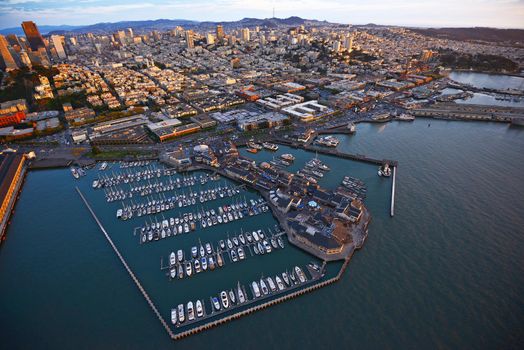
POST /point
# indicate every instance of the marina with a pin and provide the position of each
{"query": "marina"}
(207, 257)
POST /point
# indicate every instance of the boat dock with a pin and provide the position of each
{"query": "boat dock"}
(129, 271)
(334, 152)
(392, 211)
(298, 292)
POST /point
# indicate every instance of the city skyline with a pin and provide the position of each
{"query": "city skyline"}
(497, 13)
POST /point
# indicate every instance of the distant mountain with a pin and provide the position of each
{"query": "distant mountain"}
(43, 29)
(163, 24)
(475, 34)
(159, 24)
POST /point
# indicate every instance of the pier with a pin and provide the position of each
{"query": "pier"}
(392, 211)
(265, 305)
(129, 271)
(334, 152)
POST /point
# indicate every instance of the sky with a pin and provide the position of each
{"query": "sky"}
(419, 13)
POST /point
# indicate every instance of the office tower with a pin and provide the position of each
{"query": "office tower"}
(210, 39)
(73, 41)
(348, 43)
(245, 35)
(24, 58)
(336, 46)
(35, 39)
(8, 63)
(12, 39)
(120, 37)
(189, 39)
(57, 43)
(156, 35)
(220, 32)
(129, 32)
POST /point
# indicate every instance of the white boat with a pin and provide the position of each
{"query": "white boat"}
(256, 290)
(190, 311)
(180, 255)
(189, 269)
(384, 170)
(224, 299)
(300, 274)
(173, 316)
(288, 157)
(270, 146)
(271, 284)
(263, 286)
(199, 309)
(241, 296)
(172, 259)
(216, 303)
(103, 166)
(280, 285)
(181, 314)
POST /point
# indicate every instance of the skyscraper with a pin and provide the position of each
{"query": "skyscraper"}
(189, 39)
(35, 39)
(57, 43)
(245, 35)
(8, 62)
(220, 32)
(348, 43)
(210, 39)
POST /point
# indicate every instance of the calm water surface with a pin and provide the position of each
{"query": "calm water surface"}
(446, 272)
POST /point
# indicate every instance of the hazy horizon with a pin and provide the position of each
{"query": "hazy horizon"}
(502, 14)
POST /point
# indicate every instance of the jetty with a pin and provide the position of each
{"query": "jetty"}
(392, 211)
(335, 153)
(128, 269)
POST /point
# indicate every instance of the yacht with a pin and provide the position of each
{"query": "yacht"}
(234, 255)
(194, 252)
(180, 255)
(216, 303)
(285, 277)
(280, 285)
(241, 254)
(224, 299)
(199, 309)
(300, 274)
(384, 170)
(203, 262)
(173, 316)
(181, 314)
(256, 290)
(189, 269)
(220, 261)
(241, 296)
(172, 259)
(103, 166)
(271, 284)
(263, 286)
(288, 157)
(197, 266)
(280, 242)
(208, 248)
(190, 311)
(270, 146)
(232, 297)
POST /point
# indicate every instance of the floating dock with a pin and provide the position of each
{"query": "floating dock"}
(392, 211)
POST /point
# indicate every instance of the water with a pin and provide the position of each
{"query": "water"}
(445, 272)
(479, 98)
(491, 81)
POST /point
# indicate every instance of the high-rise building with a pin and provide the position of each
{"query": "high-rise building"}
(57, 43)
(348, 43)
(220, 32)
(336, 46)
(129, 32)
(120, 37)
(189, 39)
(24, 58)
(7, 61)
(35, 39)
(245, 35)
(73, 41)
(210, 39)
(12, 39)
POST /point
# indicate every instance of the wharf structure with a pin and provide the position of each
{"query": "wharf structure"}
(327, 224)
(12, 172)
